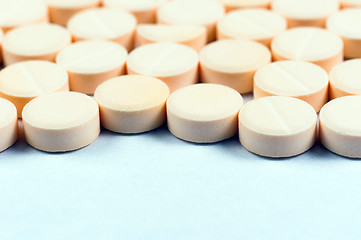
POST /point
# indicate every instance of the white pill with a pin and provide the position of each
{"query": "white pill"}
(241, 4)
(8, 124)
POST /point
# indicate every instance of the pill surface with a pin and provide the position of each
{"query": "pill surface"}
(132, 103)
(350, 3)
(23, 81)
(174, 64)
(340, 129)
(203, 113)
(91, 62)
(303, 80)
(277, 126)
(238, 4)
(60, 122)
(8, 124)
(233, 63)
(314, 45)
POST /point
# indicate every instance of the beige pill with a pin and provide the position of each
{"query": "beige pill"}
(89, 63)
(314, 45)
(340, 129)
(60, 11)
(233, 63)
(132, 103)
(240, 4)
(203, 113)
(277, 126)
(350, 3)
(253, 24)
(104, 24)
(311, 13)
(60, 122)
(23, 81)
(303, 80)
(201, 12)
(189, 35)
(35, 42)
(174, 64)
(143, 10)
(8, 124)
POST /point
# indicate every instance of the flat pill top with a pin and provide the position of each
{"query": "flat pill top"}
(132, 93)
(347, 76)
(71, 3)
(7, 112)
(92, 56)
(134, 5)
(61, 110)
(204, 102)
(346, 23)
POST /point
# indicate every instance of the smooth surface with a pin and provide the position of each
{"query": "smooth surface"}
(350, 3)
(8, 124)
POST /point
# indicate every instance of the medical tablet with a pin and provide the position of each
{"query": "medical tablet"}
(8, 124)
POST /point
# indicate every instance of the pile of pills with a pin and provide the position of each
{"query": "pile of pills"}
(74, 66)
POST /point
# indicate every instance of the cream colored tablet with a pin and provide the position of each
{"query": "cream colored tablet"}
(201, 12)
(350, 3)
(306, 12)
(61, 11)
(16, 13)
(302, 80)
(23, 81)
(1, 41)
(203, 113)
(174, 64)
(143, 10)
(104, 24)
(347, 24)
(60, 122)
(35, 42)
(252, 24)
(91, 62)
(189, 35)
(345, 79)
(132, 104)
(340, 129)
(233, 63)
(277, 126)
(237, 4)
(315, 45)
(8, 124)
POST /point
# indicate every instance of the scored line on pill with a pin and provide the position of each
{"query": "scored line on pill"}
(256, 25)
(310, 35)
(29, 77)
(167, 51)
(276, 115)
(97, 19)
(292, 78)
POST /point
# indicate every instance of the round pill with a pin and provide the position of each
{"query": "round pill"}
(303, 80)
(340, 129)
(252, 24)
(34, 42)
(311, 13)
(240, 4)
(91, 62)
(203, 113)
(350, 3)
(8, 124)
(277, 126)
(189, 35)
(60, 122)
(233, 63)
(23, 81)
(201, 12)
(132, 103)
(104, 24)
(174, 64)
(315, 45)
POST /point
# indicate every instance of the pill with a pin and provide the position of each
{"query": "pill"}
(303, 80)
(16, 13)
(252, 24)
(311, 44)
(233, 63)
(104, 24)
(8, 124)
(311, 13)
(174, 64)
(132, 103)
(340, 129)
(143, 10)
(60, 11)
(240, 4)
(347, 24)
(35, 42)
(350, 3)
(23, 81)
(91, 62)
(277, 126)
(60, 122)
(189, 35)
(201, 12)
(203, 113)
